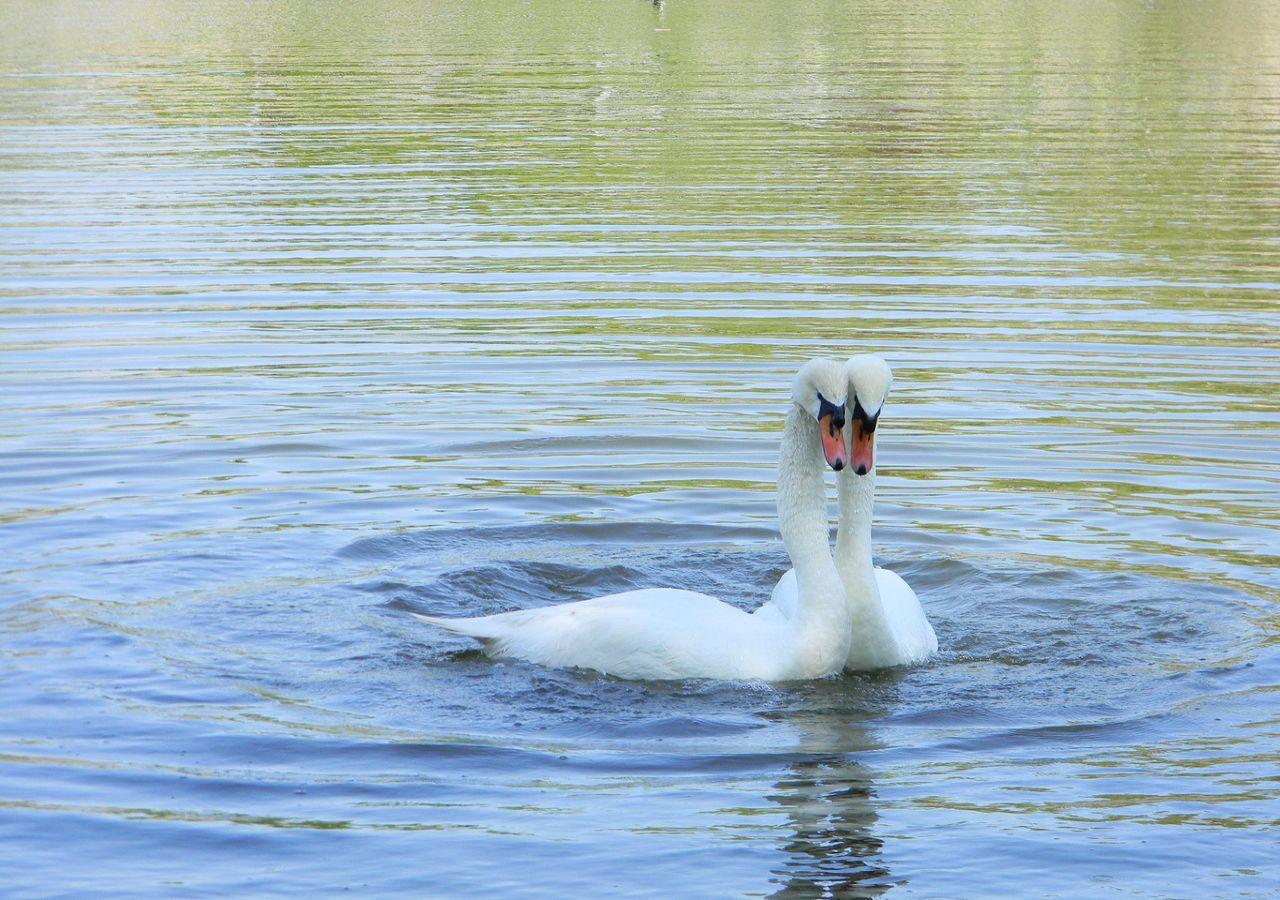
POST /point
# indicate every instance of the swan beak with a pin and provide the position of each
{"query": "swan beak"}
(834, 448)
(864, 446)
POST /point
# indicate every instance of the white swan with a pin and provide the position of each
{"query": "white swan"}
(888, 622)
(664, 633)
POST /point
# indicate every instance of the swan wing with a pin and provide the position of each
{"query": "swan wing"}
(783, 601)
(913, 635)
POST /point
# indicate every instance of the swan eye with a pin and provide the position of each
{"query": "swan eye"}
(860, 415)
(827, 408)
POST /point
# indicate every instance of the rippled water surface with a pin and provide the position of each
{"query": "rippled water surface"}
(312, 314)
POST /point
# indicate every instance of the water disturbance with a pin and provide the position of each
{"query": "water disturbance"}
(313, 314)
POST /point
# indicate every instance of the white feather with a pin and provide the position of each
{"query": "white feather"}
(907, 637)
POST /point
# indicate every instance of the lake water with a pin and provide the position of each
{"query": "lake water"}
(313, 314)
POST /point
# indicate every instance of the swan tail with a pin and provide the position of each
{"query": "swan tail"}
(489, 630)
(479, 628)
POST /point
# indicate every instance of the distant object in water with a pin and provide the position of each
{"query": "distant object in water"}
(888, 622)
(665, 633)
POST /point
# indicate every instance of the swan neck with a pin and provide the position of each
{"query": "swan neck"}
(857, 502)
(874, 635)
(853, 554)
(802, 519)
(802, 496)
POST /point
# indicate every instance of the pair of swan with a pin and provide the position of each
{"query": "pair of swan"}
(889, 627)
(822, 616)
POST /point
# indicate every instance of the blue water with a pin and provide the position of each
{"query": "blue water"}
(311, 315)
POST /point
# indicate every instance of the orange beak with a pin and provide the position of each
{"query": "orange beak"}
(834, 448)
(864, 447)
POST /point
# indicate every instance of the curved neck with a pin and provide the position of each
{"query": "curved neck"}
(853, 558)
(853, 539)
(802, 519)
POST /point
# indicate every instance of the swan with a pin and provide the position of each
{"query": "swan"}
(665, 633)
(888, 622)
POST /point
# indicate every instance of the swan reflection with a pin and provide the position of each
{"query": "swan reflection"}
(832, 851)
(831, 808)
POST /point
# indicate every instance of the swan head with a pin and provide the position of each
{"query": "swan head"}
(821, 389)
(869, 381)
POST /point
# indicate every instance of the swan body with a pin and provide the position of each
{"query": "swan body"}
(664, 633)
(904, 638)
(653, 634)
(889, 626)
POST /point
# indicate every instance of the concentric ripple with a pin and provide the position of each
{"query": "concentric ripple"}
(311, 315)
